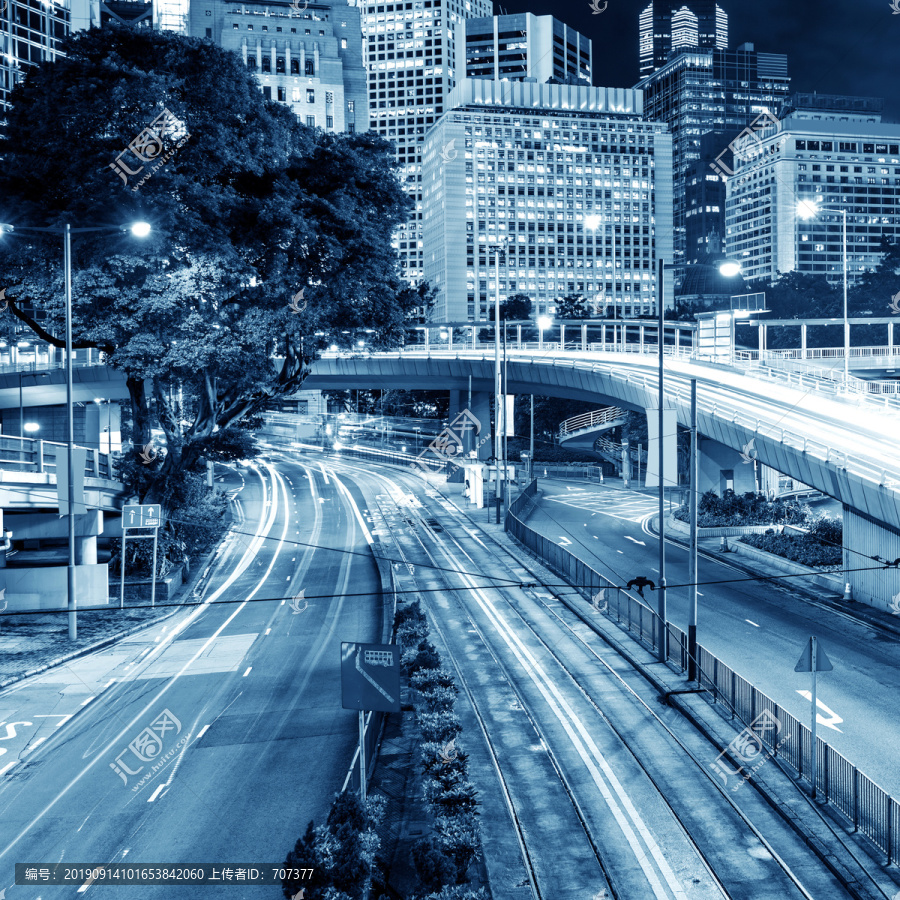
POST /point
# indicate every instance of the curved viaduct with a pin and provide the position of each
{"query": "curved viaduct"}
(846, 448)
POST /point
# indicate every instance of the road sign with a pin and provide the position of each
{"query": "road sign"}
(823, 663)
(145, 515)
(813, 660)
(370, 676)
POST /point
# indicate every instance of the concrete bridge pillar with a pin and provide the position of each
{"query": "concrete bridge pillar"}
(722, 468)
(481, 410)
(864, 538)
(86, 550)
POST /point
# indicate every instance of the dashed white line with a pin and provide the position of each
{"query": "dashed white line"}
(155, 794)
(85, 702)
(752, 623)
(247, 672)
(7, 767)
(201, 732)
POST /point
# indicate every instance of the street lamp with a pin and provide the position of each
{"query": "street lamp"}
(138, 229)
(499, 403)
(21, 404)
(809, 209)
(542, 323)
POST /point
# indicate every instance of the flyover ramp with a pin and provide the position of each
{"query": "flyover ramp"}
(846, 447)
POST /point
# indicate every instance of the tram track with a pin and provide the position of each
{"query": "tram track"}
(422, 545)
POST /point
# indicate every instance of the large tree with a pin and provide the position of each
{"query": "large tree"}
(270, 239)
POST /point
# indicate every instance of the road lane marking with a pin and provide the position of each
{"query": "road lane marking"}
(7, 767)
(247, 672)
(833, 718)
(85, 702)
(155, 794)
(200, 733)
(628, 537)
(752, 623)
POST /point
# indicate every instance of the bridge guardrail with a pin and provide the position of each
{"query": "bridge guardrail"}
(589, 420)
(862, 803)
(19, 454)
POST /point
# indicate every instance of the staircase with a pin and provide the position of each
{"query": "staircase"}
(582, 431)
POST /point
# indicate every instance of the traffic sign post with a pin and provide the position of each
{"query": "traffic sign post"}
(370, 679)
(813, 660)
(145, 515)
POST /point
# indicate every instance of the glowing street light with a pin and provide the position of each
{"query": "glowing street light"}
(810, 209)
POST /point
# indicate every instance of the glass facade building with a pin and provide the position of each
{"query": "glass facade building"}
(533, 164)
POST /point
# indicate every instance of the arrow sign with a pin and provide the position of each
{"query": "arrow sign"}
(804, 664)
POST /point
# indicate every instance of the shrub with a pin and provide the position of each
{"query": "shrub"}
(429, 679)
(423, 656)
(410, 633)
(409, 612)
(458, 838)
(804, 549)
(439, 699)
(746, 509)
(439, 727)
(458, 892)
(433, 867)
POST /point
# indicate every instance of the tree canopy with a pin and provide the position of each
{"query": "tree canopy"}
(270, 239)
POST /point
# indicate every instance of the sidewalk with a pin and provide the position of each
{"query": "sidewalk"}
(34, 642)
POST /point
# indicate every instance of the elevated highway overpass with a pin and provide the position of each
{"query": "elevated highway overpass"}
(845, 445)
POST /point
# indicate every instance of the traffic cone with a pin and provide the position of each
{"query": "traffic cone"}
(848, 593)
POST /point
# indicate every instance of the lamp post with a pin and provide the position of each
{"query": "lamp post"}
(138, 229)
(499, 403)
(22, 405)
(661, 600)
(542, 323)
(809, 209)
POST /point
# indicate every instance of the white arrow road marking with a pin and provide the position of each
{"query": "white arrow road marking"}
(628, 537)
(564, 541)
(834, 718)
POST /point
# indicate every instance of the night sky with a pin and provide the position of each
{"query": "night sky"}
(832, 47)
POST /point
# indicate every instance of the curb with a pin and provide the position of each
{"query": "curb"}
(106, 642)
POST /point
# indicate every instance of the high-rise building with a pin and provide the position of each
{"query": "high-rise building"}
(32, 30)
(414, 55)
(309, 59)
(703, 92)
(526, 47)
(572, 178)
(808, 161)
(669, 27)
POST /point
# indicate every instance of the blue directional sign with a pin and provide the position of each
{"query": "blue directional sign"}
(370, 676)
(145, 515)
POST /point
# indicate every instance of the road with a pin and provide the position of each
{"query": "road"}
(241, 692)
(755, 628)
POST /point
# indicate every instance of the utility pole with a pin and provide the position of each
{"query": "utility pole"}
(692, 562)
(531, 443)
(661, 600)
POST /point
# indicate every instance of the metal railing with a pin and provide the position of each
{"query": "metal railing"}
(19, 454)
(864, 805)
(609, 416)
(573, 470)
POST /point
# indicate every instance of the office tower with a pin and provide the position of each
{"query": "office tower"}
(848, 160)
(704, 92)
(576, 180)
(668, 27)
(525, 47)
(309, 59)
(414, 56)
